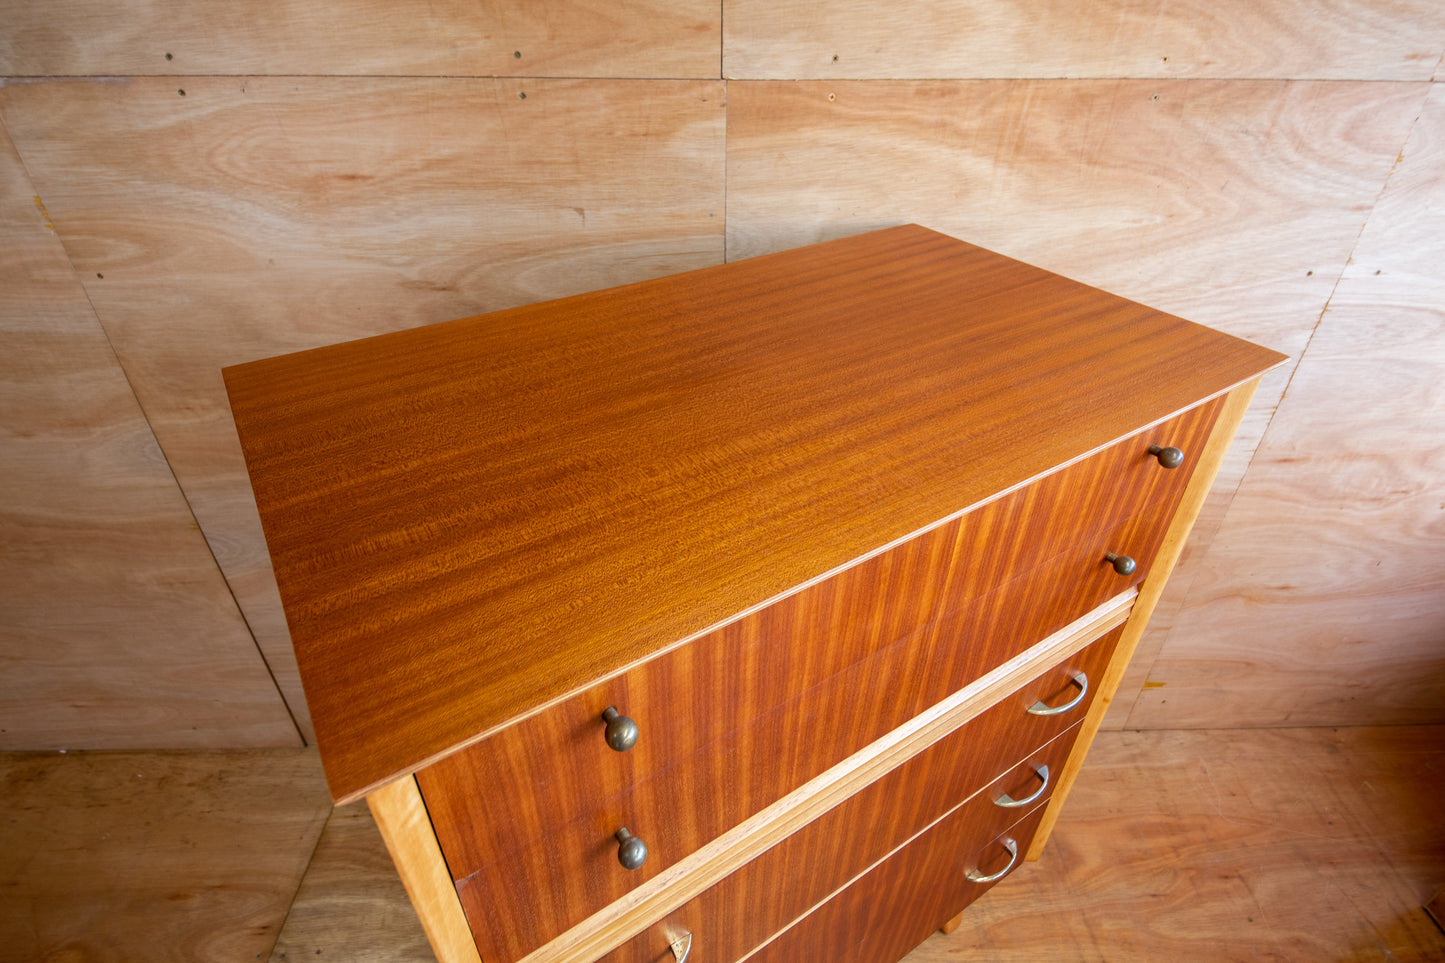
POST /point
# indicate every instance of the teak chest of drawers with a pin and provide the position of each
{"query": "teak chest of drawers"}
(762, 612)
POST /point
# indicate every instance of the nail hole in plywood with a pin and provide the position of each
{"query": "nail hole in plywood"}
(181, 92)
(517, 54)
(168, 56)
(832, 97)
(522, 95)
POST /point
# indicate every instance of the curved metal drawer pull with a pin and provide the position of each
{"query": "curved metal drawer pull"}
(1079, 679)
(1008, 802)
(681, 947)
(1013, 857)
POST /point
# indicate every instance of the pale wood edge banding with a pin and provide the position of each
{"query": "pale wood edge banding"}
(406, 827)
(1231, 414)
(690, 877)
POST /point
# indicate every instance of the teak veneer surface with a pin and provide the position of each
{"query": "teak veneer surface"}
(471, 520)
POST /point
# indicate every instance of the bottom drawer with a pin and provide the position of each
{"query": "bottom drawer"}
(894, 907)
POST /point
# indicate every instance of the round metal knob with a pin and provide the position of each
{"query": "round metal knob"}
(1123, 564)
(631, 851)
(621, 731)
(1170, 457)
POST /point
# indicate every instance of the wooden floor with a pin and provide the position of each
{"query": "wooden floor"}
(1284, 844)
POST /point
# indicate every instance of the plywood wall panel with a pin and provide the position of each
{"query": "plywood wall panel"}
(1320, 600)
(1296, 39)
(252, 217)
(459, 38)
(1232, 204)
(116, 627)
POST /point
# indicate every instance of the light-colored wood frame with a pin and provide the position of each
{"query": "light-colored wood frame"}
(1230, 417)
(405, 826)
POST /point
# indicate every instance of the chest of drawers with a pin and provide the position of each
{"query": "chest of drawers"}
(745, 613)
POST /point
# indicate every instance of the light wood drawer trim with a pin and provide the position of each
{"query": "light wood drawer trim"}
(407, 830)
(687, 879)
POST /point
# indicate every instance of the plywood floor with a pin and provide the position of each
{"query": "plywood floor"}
(1284, 844)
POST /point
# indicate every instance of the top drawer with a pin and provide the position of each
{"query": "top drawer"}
(849, 658)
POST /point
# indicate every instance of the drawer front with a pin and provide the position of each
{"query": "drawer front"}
(898, 905)
(813, 862)
(737, 718)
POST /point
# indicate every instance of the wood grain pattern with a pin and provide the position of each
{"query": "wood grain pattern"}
(351, 905)
(692, 876)
(175, 857)
(749, 906)
(1345, 40)
(392, 518)
(740, 717)
(1274, 844)
(1210, 458)
(897, 905)
(116, 626)
(559, 38)
(256, 216)
(401, 816)
(1331, 548)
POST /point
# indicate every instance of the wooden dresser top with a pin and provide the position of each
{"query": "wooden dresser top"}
(470, 520)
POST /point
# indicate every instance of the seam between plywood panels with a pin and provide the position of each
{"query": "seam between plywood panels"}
(146, 417)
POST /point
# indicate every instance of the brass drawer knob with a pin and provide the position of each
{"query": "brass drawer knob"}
(631, 851)
(621, 731)
(1170, 457)
(1123, 564)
